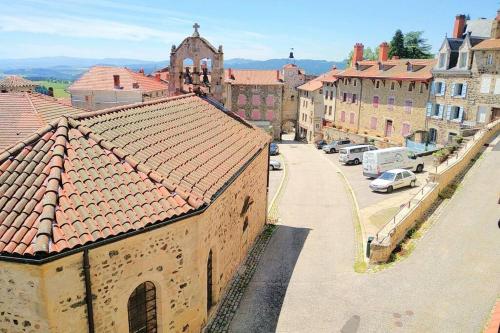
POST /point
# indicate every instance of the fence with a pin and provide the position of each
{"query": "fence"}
(393, 232)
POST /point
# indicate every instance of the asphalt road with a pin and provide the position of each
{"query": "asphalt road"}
(306, 283)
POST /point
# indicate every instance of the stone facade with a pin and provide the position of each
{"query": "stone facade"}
(50, 297)
(348, 104)
(329, 100)
(292, 78)
(310, 114)
(262, 105)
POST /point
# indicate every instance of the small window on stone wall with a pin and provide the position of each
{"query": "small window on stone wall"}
(245, 224)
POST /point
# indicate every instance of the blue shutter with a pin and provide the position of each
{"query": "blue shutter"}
(461, 114)
(443, 88)
(448, 112)
(464, 90)
(429, 109)
(441, 111)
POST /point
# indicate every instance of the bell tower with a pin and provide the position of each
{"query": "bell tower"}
(199, 50)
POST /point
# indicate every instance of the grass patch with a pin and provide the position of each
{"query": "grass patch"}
(58, 86)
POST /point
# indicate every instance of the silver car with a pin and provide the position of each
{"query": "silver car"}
(334, 146)
(393, 179)
(274, 165)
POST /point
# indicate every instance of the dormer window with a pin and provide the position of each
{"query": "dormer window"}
(442, 60)
(463, 59)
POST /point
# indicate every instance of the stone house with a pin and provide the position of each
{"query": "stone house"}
(21, 114)
(384, 98)
(316, 104)
(14, 83)
(452, 109)
(266, 98)
(128, 219)
(103, 87)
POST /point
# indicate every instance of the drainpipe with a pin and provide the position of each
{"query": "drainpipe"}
(88, 291)
(359, 100)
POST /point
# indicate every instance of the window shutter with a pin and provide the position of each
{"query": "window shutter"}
(433, 88)
(443, 88)
(448, 112)
(453, 86)
(441, 110)
(429, 109)
(464, 90)
(460, 114)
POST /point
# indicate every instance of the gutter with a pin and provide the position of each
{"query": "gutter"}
(50, 258)
(88, 291)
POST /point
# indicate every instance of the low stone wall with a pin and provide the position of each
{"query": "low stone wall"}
(330, 133)
(395, 230)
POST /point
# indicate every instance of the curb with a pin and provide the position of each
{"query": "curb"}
(272, 210)
(359, 257)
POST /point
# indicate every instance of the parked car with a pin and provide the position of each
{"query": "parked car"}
(393, 179)
(274, 149)
(274, 165)
(354, 154)
(320, 144)
(336, 145)
(377, 161)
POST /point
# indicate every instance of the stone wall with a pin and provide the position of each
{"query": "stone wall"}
(262, 102)
(330, 133)
(345, 108)
(381, 249)
(51, 297)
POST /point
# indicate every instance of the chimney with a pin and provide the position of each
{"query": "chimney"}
(116, 80)
(459, 28)
(157, 77)
(383, 52)
(358, 53)
(277, 75)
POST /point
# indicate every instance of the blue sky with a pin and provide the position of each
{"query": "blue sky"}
(256, 29)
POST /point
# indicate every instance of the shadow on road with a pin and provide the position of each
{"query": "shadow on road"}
(261, 305)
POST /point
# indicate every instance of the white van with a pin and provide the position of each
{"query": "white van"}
(354, 154)
(378, 161)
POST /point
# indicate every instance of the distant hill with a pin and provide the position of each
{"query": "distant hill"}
(70, 68)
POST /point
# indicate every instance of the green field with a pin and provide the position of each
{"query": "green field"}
(58, 86)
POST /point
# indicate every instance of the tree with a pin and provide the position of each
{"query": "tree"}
(397, 45)
(416, 46)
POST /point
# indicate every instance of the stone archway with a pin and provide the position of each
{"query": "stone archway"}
(197, 48)
(289, 126)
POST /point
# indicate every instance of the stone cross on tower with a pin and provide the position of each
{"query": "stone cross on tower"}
(196, 33)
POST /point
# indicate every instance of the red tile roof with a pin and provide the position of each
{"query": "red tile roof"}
(101, 78)
(489, 44)
(97, 175)
(21, 114)
(15, 81)
(393, 69)
(317, 82)
(253, 77)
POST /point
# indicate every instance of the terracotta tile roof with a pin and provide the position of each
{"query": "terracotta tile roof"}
(21, 114)
(393, 69)
(317, 82)
(15, 81)
(97, 175)
(253, 77)
(101, 78)
(489, 44)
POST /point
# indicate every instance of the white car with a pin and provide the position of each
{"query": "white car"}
(274, 165)
(393, 179)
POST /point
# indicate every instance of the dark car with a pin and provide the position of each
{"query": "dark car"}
(320, 144)
(273, 149)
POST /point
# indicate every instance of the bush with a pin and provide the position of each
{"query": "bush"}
(459, 139)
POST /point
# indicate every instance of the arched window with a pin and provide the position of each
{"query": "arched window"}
(209, 281)
(142, 309)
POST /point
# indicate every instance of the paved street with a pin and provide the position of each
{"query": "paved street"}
(306, 283)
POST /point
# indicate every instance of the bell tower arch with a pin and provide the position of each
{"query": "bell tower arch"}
(199, 50)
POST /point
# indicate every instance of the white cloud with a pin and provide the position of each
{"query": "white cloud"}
(83, 27)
